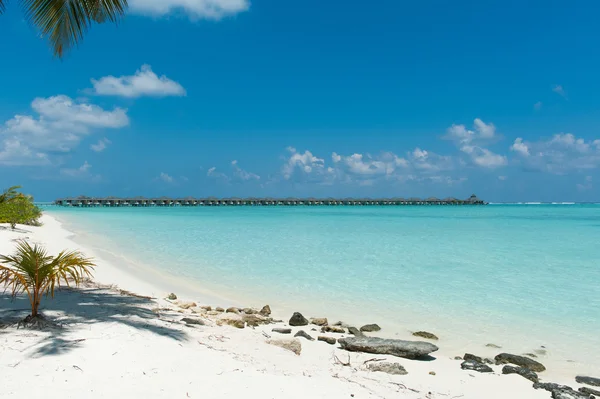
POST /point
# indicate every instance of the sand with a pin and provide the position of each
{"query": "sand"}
(114, 344)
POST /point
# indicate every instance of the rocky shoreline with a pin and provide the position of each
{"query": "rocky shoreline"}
(354, 339)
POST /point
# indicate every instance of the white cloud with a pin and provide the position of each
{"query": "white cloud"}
(143, 83)
(100, 145)
(560, 154)
(165, 177)
(558, 89)
(302, 164)
(484, 157)
(82, 172)
(461, 135)
(469, 142)
(195, 9)
(242, 174)
(520, 147)
(212, 173)
(502, 178)
(59, 127)
(537, 106)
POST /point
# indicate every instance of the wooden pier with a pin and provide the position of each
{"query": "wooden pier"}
(83, 201)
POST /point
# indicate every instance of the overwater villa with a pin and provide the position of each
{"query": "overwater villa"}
(83, 201)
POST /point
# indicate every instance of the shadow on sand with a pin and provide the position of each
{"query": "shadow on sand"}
(72, 309)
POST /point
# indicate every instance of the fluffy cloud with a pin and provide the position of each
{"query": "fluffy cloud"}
(100, 145)
(195, 9)
(560, 154)
(462, 135)
(484, 157)
(302, 165)
(59, 127)
(143, 83)
(367, 169)
(470, 141)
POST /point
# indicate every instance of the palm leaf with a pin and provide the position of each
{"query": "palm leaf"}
(33, 271)
(2, 6)
(64, 22)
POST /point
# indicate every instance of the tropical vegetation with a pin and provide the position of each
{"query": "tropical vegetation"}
(31, 270)
(18, 208)
(64, 22)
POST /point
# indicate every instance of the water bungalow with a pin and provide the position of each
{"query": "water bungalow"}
(83, 201)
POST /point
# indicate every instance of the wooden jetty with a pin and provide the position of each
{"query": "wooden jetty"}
(83, 201)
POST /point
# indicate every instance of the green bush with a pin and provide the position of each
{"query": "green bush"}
(19, 209)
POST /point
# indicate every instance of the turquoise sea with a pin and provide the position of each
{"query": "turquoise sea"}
(522, 276)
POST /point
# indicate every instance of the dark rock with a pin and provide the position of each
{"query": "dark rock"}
(426, 335)
(333, 329)
(329, 340)
(589, 391)
(568, 393)
(298, 320)
(506, 358)
(188, 320)
(549, 386)
(249, 311)
(355, 331)
(319, 321)
(303, 334)
(370, 328)
(208, 308)
(522, 371)
(493, 346)
(387, 367)
(432, 373)
(219, 309)
(282, 330)
(474, 358)
(530, 355)
(595, 382)
(172, 296)
(266, 310)
(488, 361)
(232, 310)
(396, 347)
(458, 358)
(476, 366)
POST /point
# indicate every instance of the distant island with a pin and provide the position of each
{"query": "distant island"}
(83, 201)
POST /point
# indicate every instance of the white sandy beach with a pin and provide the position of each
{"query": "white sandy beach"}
(115, 345)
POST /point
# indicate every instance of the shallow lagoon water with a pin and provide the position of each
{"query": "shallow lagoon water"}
(526, 274)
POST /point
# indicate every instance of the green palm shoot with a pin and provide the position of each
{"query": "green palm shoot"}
(64, 22)
(31, 270)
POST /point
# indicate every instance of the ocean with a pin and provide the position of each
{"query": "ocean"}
(524, 277)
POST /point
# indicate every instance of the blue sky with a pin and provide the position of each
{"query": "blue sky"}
(312, 98)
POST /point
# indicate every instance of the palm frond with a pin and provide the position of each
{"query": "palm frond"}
(11, 192)
(2, 6)
(30, 269)
(64, 22)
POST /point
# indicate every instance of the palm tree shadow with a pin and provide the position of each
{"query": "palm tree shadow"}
(73, 309)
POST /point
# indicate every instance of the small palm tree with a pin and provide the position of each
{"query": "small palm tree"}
(33, 271)
(64, 22)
